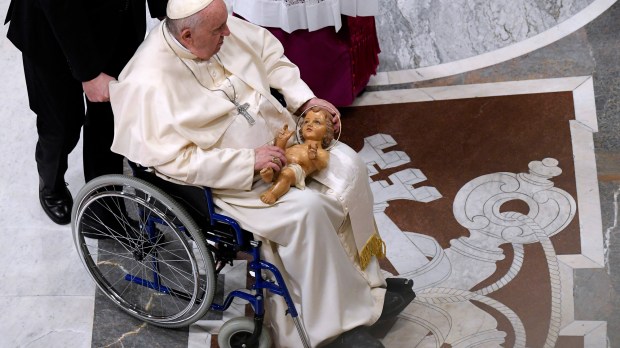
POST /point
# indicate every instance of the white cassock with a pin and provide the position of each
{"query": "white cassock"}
(177, 114)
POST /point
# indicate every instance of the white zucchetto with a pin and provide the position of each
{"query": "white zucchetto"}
(178, 9)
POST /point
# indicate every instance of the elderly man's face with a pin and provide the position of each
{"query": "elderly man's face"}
(207, 38)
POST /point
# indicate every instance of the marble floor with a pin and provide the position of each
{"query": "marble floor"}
(509, 166)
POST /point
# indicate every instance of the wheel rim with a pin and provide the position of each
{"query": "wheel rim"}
(132, 251)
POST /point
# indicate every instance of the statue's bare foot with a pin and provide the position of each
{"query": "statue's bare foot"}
(266, 174)
(268, 198)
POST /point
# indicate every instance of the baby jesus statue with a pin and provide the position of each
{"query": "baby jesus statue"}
(317, 132)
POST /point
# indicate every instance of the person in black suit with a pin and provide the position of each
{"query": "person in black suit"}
(71, 48)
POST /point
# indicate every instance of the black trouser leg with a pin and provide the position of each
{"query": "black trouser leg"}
(98, 136)
(99, 124)
(57, 99)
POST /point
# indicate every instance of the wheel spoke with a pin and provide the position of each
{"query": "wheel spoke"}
(146, 241)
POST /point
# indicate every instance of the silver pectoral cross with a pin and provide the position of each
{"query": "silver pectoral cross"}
(243, 110)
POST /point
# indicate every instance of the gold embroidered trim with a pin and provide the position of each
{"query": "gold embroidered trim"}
(375, 246)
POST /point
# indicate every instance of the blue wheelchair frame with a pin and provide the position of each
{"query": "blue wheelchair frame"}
(242, 242)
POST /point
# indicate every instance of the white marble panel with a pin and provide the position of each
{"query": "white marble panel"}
(46, 321)
(19, 201)
(590, 221)
(41, 262)
(568, 284)
(16, 137)
(504, 88)
(390, 97)
(585, 107)
(594, 332)
(581, 85)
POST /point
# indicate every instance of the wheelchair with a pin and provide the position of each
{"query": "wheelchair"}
(155, 249)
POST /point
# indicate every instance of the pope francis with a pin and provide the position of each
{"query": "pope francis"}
(194, 104)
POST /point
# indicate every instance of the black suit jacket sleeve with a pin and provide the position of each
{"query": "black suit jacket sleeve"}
(157, 8)
(71, 24)
(83, 34)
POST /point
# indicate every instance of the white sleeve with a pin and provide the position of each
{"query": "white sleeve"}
(215, 168)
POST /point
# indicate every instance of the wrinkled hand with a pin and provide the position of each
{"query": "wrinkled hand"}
(268, 156)
(97, 89)
(327, 105)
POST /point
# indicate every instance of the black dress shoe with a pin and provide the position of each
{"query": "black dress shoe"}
(399, 285)
(56, 204)
(398, 295)
(356, 338)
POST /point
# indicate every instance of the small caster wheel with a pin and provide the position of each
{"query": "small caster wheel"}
(235, 333)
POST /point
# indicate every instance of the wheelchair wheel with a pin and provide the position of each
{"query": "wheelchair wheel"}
(143, 251)
(235, 332)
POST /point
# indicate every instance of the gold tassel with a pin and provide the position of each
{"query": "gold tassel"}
(375, 246)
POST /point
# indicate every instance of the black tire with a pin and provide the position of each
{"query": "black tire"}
(109, 220)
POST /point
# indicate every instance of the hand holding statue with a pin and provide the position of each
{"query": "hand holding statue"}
(269, 157)
(302, 159)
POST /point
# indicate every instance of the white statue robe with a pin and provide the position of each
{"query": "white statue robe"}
(173, 113)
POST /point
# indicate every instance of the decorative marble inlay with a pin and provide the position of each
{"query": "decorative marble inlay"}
(528, 228)
(444, 278)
